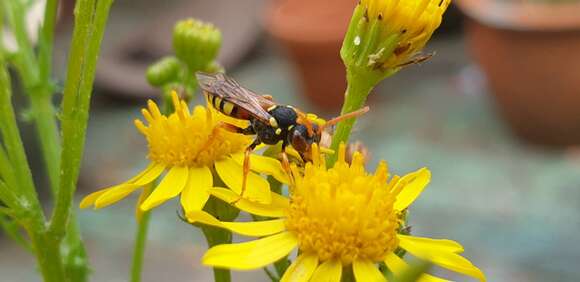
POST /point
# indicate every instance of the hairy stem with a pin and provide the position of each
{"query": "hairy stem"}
(90, 19)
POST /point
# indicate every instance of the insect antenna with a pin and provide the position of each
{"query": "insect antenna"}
(350, 115)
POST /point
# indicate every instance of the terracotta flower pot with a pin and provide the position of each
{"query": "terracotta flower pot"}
(311, 33)
(530, 56)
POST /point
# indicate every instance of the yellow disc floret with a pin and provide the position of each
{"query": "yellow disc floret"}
(343, 212)
(189, 139)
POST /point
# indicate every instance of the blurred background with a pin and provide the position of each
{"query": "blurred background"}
(495, 115)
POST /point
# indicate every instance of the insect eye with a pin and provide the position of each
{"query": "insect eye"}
(299, 142)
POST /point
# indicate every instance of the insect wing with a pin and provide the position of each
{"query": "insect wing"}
(231, 91)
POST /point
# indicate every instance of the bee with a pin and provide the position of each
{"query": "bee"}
(270, 122)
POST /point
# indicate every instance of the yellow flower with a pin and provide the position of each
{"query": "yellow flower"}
(189, 147)
(337, 217)
(384, 35)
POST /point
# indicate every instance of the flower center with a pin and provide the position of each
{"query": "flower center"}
(343, 212)
(189, 139)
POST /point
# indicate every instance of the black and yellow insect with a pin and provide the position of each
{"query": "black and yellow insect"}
(270, 122)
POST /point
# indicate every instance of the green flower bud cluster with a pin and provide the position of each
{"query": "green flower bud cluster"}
(196, 45)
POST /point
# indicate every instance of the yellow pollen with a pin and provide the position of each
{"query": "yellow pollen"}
(188, 139)
(343, 212)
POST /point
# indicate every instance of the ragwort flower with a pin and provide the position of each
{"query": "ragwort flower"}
(337, 217)
(384, 35)
(189, 147)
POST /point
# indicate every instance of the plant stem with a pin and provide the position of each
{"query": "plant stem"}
(41, 98)
(139, 250)
(216, 236)
(24, 60)
(47, 132)
(16, 154)
(356, 95)
(48, 257)
(90, 19)
(46, 40)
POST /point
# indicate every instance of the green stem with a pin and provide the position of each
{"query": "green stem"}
(216, 236)
(139, 250)
(356, 95)
(40, 98)
(48, 257)
(75, 259)
(271, 275)
(90, 20)
(24, 60)
(47, 132)
(46, 40)
(16, 154)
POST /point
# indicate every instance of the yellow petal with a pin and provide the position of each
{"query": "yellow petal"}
(149, 167)
(194, 194)
(397, 265)
(301, 269)
(365, 270)
(441, 245)
(257, 188)
(171, 185)
(275, 209)
(115, 194)
(265, 165)
(251, 255)
(412, 189)
(328, 271)
(149, 175)
(451, 261)
(252, 228)
(90, 199)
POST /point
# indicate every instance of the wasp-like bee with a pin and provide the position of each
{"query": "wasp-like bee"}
(270, 122)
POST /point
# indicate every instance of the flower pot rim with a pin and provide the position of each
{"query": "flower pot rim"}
(524, 16)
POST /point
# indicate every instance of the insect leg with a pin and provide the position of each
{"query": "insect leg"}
(286, 164)
(246, 167)
(232, 128)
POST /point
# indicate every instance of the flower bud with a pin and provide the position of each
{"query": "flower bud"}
(163, 71)
(385, 35)
(196, 43)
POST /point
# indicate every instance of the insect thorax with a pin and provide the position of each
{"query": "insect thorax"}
(283, 118)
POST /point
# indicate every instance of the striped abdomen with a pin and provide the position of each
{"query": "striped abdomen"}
(226, 107)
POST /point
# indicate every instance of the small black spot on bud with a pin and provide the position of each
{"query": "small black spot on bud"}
(403, 31)
(380, 16)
